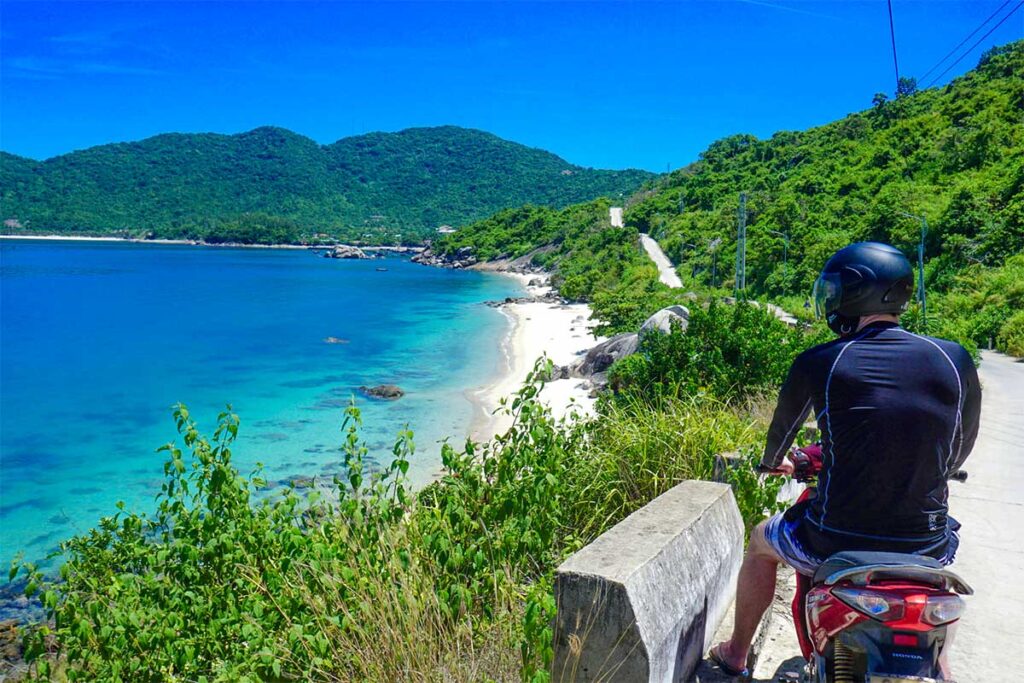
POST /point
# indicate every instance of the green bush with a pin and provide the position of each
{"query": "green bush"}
(1011, 335)
(732, 352)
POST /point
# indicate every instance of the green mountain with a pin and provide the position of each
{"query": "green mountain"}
(952, 155)
(274, 181)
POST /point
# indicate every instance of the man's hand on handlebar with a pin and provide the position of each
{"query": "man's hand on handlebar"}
(785, 469)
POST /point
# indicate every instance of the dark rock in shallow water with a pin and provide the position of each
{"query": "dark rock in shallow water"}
(272, 436)
(330, 404)
(15, 606)
(388, 392)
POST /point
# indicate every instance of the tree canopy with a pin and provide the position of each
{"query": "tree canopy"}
(380, 186)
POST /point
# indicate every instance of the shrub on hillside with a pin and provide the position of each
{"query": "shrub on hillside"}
(1011, 335)
(730, 352)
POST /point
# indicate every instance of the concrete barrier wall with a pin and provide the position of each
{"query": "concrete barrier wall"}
(642, 602)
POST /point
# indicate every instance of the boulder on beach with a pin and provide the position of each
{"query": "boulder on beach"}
(388, 392)
(602, 356)
(663, 320)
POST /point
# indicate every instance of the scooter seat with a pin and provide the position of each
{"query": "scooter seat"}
(851, 559)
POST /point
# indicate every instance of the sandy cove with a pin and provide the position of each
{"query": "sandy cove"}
(562, 331)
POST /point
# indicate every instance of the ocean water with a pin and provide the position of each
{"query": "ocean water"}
(98, 341)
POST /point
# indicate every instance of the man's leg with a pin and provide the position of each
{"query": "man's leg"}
(754, 593)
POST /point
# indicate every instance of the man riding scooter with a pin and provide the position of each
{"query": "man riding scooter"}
(898, 414)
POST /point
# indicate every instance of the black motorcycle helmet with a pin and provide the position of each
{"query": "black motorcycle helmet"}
(862, 279)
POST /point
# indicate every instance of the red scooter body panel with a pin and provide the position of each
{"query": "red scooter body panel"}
(820, 616)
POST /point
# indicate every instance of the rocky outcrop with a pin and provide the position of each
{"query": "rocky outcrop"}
(663, 320)
(601, 357)
(388, 392)
(549, 297)
(595, 364)
(346, 251)
(461, 258)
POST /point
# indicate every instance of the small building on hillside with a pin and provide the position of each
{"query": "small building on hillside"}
(446, 230)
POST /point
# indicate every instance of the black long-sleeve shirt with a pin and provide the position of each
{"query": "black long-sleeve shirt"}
(897, 412)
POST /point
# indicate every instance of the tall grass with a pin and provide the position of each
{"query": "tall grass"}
(636, 451)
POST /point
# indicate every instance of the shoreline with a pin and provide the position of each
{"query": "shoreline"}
(561, 331)
(135, 240)
(194, 243)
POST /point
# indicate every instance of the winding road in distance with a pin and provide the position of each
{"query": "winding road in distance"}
(666, 271)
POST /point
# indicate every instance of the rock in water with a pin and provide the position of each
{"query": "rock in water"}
(389, 392)
(663, 320)
(346, 251)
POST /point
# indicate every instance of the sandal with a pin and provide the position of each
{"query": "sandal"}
(726, 668)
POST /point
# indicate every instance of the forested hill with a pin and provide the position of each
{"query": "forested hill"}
(271, 184)
(953, 155)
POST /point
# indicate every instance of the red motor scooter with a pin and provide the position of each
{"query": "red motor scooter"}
(874, 617)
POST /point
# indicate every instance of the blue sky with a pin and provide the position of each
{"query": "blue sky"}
(608, 84)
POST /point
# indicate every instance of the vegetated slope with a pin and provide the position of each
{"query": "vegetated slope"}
(588, 258)
(953, 155)
(198, 185)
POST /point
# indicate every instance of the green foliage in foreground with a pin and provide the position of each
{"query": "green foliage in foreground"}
(380, 186)
(367, 582)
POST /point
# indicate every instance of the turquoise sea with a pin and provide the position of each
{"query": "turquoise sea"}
(98, 340)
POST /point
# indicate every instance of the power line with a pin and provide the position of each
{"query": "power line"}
(892, 33)
(976, 44)
(950, 54)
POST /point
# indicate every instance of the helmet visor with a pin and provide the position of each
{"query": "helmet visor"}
(828, 293)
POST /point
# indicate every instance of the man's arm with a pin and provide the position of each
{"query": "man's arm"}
(970, 411)
(795, 403)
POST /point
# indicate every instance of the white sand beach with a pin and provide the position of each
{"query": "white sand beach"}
(563, 332)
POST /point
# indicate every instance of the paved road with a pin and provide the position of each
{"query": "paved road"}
(991, 557)
(666, 271)
(615, 215)
(991, 508)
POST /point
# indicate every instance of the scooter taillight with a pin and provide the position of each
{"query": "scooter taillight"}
(875, 604)
(942, 609)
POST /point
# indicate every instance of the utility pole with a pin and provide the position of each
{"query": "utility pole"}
(741, 246)
(713, 248)
(693, 266)
(920, 268)
(785, 258)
